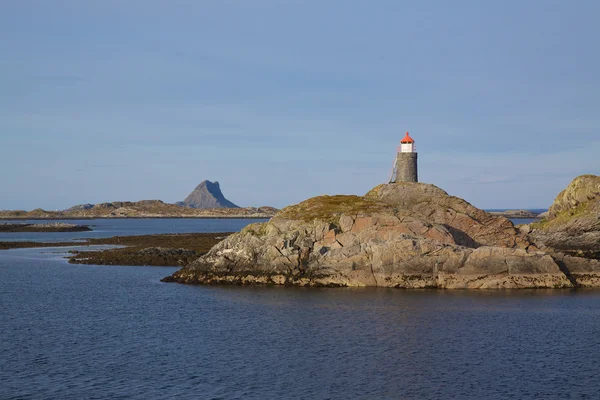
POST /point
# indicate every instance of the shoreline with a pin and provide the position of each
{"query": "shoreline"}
(517, 214)
(43, 228)
(153, 217)
(169, 250)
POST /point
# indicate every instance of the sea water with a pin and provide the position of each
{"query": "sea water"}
(106, 332)
(109, 227)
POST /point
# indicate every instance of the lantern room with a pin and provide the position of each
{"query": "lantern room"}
(407, 144)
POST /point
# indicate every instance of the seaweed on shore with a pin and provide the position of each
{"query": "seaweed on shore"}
(156, 250)
(48, 227)
(171, 250)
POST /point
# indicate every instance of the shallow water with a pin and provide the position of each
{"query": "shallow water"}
(518, 221)
(80, 331)
(126, 227)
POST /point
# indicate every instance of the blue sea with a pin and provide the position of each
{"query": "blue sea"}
(518, 221)
(110, 332)
(102, 228)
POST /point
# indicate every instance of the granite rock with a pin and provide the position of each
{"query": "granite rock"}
(404, 235)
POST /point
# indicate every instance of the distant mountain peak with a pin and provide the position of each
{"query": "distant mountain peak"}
(207, 195)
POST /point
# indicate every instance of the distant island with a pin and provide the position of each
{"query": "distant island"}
(515, 214)
(207, 195)
(205, 201)
(52, 227)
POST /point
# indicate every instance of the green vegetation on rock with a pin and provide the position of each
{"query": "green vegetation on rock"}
(572, 226)
(580, 191)
(330, 208)
(577, 205)
(562, 217)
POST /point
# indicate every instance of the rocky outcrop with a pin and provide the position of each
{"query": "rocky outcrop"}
(580, 192)
(207, 195)
(80, 207)
(404, 235)
(516, 214)
(572, 225)
(583, 272)
(157, 250)
(50, 227)
(469, 225)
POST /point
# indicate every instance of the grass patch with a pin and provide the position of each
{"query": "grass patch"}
(562, 218)
(329, 208)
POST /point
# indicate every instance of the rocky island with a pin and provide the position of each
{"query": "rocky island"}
(175, 249)
(572, 225)
(403, 235)
(207, 195)
(50, 227)
(516, 214)
(205, 201)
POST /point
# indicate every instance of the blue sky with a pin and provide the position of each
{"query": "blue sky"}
(281, 100)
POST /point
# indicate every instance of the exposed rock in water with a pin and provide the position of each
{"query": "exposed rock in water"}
(207, 195)
(572, 225)
(49, 227)
(405, 235)
(156, 250)
(516, 214)
(153, 251)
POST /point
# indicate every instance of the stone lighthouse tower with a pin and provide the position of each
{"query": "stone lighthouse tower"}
(405, 166)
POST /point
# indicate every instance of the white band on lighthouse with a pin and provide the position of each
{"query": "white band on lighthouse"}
(407, 147)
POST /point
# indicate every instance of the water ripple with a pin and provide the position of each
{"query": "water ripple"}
(77, 331)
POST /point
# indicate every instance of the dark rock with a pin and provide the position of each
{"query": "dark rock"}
(207, 195)
(50, 227)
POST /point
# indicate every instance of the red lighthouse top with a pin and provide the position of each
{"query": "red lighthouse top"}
(407, 139)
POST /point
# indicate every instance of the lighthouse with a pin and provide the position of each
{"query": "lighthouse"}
(405, 165)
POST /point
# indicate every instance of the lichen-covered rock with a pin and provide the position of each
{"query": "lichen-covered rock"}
(398, 235)
(580, 191)
(573, 221)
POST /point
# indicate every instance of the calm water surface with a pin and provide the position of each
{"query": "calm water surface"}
(104, 332)
(127, 227)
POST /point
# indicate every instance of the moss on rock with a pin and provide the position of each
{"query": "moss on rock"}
(581, 190)
(330, 208)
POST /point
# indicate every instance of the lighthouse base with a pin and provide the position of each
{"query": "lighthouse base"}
(406, 168)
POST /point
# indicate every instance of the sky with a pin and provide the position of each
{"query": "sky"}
(282, 100)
